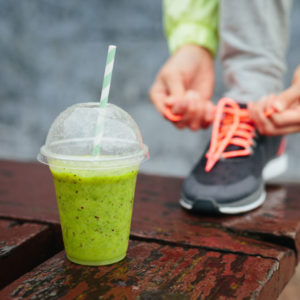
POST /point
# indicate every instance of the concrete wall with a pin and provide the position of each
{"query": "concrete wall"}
(52, 55)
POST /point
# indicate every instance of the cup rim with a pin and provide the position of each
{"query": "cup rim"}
(54, 159)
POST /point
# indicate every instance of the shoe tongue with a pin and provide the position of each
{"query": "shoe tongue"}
(235, 147)
(242, 105)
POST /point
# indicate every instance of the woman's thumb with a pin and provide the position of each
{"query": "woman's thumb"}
(286, 98)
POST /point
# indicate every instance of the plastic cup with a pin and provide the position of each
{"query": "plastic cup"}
(94, 193)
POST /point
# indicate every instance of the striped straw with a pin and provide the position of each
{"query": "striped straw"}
(107, 75)
(110, 59)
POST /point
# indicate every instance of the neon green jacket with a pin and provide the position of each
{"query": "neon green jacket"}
(191, 21)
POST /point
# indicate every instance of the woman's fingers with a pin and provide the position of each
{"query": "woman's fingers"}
(158, 95)
(283, 130)
(256, 115)
(279, 122)
(200, 112)
(288, 117)
(194, 110)
(268, 104)
(167, 90)
(187, 108)
(196, 113)
(204, 116)
(287, 98)
(277, 115)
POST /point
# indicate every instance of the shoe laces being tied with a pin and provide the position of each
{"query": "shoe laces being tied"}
(231, 127)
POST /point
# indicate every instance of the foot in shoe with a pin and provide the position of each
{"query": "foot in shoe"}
(228, 178)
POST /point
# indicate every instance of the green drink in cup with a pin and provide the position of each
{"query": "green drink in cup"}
(94, 192)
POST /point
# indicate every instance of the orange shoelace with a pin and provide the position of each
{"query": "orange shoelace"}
(232, 126)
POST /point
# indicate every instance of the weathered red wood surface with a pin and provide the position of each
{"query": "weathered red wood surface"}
(157, 214)
(22, 247)
(278, 220)
(27, 193)
(154, 271)
(251, 255)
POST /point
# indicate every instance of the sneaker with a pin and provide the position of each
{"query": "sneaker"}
(229, 178)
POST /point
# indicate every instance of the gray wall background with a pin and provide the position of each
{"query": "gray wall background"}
(52, 55)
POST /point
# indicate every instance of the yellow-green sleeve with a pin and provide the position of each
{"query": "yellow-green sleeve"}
(191, 21)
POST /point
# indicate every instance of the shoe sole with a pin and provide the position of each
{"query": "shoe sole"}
(274, 168)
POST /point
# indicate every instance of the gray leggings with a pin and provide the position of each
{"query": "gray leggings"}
(254, 36)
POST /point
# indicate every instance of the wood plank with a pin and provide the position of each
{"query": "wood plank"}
(278, 220)
(27, 192)
(155, 271)
(22, 247)
(157, 214)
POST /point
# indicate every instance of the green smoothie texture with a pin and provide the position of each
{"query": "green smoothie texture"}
(95, 211)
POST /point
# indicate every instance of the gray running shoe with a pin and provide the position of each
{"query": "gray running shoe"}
(229, 178)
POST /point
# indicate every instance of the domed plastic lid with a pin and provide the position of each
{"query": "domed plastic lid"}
(72, 138)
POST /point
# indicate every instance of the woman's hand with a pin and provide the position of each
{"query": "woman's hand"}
(185, 84)
(285, 118)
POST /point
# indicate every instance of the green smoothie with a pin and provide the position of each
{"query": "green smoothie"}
(95, 211)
